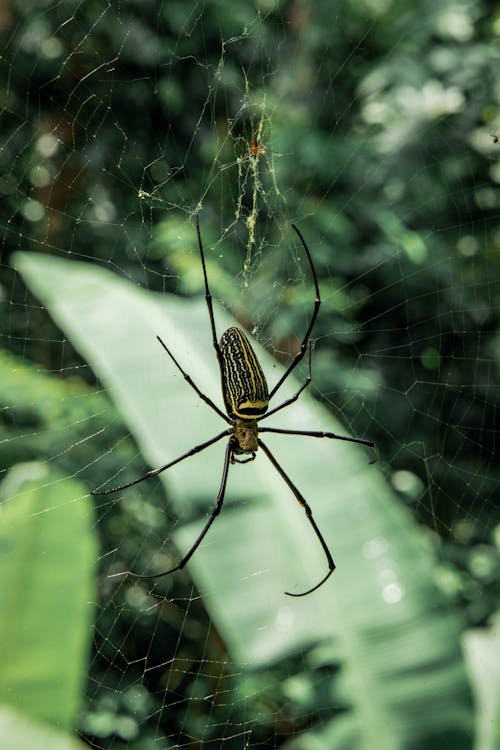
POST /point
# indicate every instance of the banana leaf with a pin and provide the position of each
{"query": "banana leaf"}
(47, 576)
(21, 732)
(379, 624)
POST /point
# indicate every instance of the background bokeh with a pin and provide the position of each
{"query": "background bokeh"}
(371, 125)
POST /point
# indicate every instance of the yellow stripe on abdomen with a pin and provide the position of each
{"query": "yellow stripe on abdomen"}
(244, 385)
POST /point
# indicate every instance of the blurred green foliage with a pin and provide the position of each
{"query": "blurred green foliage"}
(119, 119)
(47, 582)
(407, 615)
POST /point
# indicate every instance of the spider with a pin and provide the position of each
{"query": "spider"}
(257, 147)
(495, 137)
(246, 400)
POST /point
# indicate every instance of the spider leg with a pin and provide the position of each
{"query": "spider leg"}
(208, 299)
(155, 472)
(302, 387)
(208, 296)
(332, 435)
(193, 385)
(213, 515)
(303, 502)
(317, 302)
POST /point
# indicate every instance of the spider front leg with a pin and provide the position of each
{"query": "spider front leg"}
(317, 302)
(302, 387)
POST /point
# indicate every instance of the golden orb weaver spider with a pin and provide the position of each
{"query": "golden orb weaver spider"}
(246, 400)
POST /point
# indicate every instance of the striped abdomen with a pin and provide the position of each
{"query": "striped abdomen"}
(244, 385)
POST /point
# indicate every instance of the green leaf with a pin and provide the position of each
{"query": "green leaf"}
(19, 732)
(47, 559)
(380, 615)
(482, 649)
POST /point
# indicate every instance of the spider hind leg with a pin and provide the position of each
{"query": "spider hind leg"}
(307, 508)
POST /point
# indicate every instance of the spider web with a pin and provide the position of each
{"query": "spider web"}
(120, 123)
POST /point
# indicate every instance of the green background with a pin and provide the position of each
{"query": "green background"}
(119, 123)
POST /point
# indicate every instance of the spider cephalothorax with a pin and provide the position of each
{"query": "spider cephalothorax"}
(245, 436)
(246, 400)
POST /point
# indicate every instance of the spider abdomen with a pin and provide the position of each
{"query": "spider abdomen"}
(244, 385)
